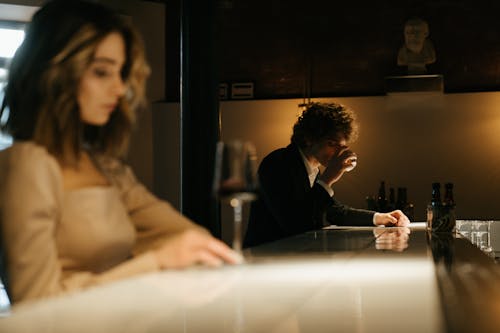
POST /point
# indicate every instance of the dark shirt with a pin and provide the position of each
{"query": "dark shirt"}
(288, 205)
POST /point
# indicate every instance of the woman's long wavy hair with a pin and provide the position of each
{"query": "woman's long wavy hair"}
(45, 74)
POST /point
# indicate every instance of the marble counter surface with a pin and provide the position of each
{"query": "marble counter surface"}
(337, 280)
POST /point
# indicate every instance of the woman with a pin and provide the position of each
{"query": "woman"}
(72, 214)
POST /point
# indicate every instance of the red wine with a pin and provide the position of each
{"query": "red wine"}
(235, 188)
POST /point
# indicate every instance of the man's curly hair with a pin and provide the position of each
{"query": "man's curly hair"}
(322, 121)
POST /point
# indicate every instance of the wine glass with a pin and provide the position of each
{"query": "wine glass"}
(235, 180)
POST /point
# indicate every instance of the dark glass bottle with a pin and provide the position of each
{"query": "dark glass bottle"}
(392, 200)
(436, 194)
(441, 215)
(433, 208)
(401, 200)
(448, 195)
(448, 209)
(371, 203)
(382, 199)
(407, 207)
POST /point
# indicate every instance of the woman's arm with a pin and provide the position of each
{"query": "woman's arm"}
(175, 240)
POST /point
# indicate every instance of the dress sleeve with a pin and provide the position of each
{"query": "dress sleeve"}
(154, 219)
(31, 190)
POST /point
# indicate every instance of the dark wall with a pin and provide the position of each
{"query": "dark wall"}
(297, 48)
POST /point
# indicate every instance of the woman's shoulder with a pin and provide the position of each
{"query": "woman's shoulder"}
(28, 153)
(27, 161)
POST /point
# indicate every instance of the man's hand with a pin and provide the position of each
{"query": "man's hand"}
(338, 164)
(396, 218)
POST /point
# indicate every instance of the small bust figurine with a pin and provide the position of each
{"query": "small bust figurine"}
(417, 51)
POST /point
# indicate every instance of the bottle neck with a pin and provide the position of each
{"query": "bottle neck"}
(436, 195)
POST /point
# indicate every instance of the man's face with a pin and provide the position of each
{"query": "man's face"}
(324, 150)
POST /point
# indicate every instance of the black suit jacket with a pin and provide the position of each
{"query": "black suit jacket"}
(288, 205)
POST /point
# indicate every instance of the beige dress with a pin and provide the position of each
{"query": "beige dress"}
(58, 241)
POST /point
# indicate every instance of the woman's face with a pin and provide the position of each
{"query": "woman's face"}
(102, 86)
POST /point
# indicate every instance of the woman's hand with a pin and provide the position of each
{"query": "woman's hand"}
(195, 246)
(396, 218)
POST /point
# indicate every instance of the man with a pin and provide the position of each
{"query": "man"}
(294, 196)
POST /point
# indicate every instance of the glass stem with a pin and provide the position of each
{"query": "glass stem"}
(237, 207)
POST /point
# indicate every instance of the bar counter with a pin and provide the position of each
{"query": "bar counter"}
(333, 280)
